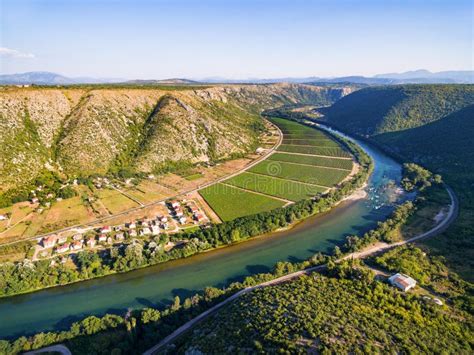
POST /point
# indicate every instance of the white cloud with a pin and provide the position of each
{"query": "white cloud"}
(13, 53)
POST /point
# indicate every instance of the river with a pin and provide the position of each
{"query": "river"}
(58, 307)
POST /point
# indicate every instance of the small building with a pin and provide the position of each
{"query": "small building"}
(155, 230)
(77, 245)
(164, 225)
(3, 217)
(62, 239)
(144, 224)
(91, 242)
(145, 231)
(118, 228)
(131, 225)
(199, 217)
(63, 248)
(119, 236)
(175, 204)
(182, 220)
(35, 200)
(110, 240)
(163, 219)
(106, 229)
(179, 212)
(193, 209)
(77, 237)
(49, 242)
(133, 233)
(102, 238)
(402, 281)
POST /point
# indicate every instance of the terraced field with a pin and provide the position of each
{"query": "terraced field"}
(308, 162)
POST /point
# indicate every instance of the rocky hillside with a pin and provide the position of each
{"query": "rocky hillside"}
(86, 130)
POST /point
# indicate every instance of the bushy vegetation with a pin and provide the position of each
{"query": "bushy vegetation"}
(431, 272)
(331, 315)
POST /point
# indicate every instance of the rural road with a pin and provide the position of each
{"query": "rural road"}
(143, 206)
(51, 349)
(379, 247)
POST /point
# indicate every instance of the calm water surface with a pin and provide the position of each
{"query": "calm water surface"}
(58, 307)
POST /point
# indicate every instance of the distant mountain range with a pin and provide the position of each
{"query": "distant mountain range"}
(410, 77)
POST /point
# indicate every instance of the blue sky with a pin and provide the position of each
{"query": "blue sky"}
(234, 39)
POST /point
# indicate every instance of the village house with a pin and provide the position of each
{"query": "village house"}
(63, 248)
(110, 240)
(155, 230)
(145, 231)
(131, 225)
(119, 236)
(91, 242)
(102, 238)
(163, 219)
(132, 233)
(179, 212)
(62, 239)
(49, 242)
(35, 200)
(77, 237)
(106, 229)
(118, 228)
(402, 281)
(3, 217)
(193, 208)
(175, 204)
(164, 225)
(182, 220)
(199, 217)
(77, 245)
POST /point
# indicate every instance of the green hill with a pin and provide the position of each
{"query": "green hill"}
(376, 110)
(432, 125)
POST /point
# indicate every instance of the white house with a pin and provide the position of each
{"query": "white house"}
(3, 217)
(155, 230)
(402, 281)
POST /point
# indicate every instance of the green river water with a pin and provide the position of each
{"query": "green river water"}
(58, 307)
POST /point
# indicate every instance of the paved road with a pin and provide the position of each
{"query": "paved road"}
(55, 348)
(143, 206)
(380, 247)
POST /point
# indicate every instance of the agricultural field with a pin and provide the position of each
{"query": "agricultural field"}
(230, 202)
(114, 201)
(286, 189)
(304, 173)
(312, 160)
(317, 142)
(326, 151)
(286, 176)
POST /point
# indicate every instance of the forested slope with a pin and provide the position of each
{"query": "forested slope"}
(432, 125)
(376, 110)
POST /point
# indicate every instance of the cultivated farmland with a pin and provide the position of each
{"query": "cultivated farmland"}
(230, 202)
(287, 189)
(312, 160)
(319, 164)
(304, 173)
(326, 151)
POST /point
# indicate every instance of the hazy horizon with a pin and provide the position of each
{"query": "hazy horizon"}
(235, 39)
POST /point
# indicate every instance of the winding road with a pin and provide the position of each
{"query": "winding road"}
(377, 248)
